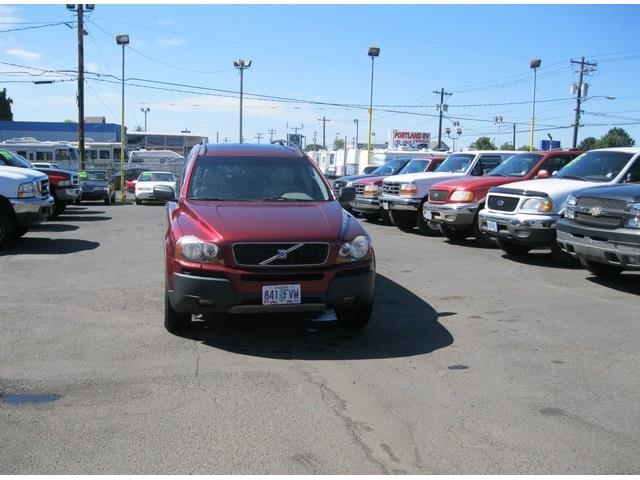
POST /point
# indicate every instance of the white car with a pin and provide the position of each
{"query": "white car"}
(147, 180)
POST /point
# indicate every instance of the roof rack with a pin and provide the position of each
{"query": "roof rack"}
(287, 144)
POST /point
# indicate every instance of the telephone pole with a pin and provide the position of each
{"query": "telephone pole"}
(442, 107)
(259, 136)
(581, 92)
(271, 133)
(324, 121)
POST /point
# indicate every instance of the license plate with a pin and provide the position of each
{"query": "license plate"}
(280, 294)
(492, 226)
(385, 205)
(427, 215)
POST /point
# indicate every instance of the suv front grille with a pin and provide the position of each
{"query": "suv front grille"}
(391, 188)
(338, 185)
(253, 254)
(438, 195)
(74, 179)
(504, 204)
(605, 203)
(604, 221)
(359, 189)
(44, 188)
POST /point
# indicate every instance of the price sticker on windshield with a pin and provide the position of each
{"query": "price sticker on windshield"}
(281, 294)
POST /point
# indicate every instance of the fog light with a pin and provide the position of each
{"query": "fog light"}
(450, 218)
(206, 303)
(522, 233)
(348, 299)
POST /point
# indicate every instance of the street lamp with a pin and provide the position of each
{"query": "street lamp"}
(122, 39)
(535, 64)
(373, 52)
(498, 121)
(355, 120)
(580, 99)
(145, 111)
(458, 132)
(241, 65)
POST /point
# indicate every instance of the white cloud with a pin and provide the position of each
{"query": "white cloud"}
(163, 22)
(172, 42)
(23, 54)
(8, 14)
(92, 67)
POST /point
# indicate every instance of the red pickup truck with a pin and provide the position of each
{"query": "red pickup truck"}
(454, 204)
(257, 229)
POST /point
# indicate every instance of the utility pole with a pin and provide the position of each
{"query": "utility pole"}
(324, 121)
(581, 91)
(355, 143)
(241, 65)
(315, 140)
(217, 137)
(259, 137)
(442, 107)
(271, 133)
(514, 137)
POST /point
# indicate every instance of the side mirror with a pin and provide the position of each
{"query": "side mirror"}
(347, 194)
(632, 178)
(542, 174)
(554, 173)
(165, 192)
(486, 170)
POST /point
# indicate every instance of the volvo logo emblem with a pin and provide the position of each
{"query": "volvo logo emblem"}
(282, 254)
(595, 211)
(500, 203)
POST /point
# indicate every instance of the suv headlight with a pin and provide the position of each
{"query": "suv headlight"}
(570, 211)
(65, 183)
(537, 205)
(356, 249)
(193, 249)
(371, 190)
(635, 221)
(462, 196)
(27, 190)
(409, 189)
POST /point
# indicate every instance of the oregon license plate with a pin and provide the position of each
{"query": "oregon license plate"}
(385, 205)
(281, 294)
(427, 215)
(492, 226)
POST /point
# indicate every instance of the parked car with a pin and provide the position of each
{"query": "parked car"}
(96, 185)
(38, 165)
(403, 196)
(524, 215)
(601, 227)
(24, 201)
(148, 180)
(63, 184)
(369, 169)
(454, 204)
(257, 229)
(368, 189)
(130, 173)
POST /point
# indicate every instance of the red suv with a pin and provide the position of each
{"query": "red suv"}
(257, 229)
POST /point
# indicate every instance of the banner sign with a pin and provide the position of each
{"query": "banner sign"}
(401, 138)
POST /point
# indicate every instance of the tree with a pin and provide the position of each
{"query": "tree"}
(507, 146)
(483, 143)
(588, 143)
(138, 128)
(523, 148)
(312, 147)
(616, 137)
(338, 144)
(5, 106)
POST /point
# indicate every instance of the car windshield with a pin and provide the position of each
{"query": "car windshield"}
(517, 165)
(256, 178)
(416, 165)
(456, 163)
(156, 177)
(95, 176)
(595, 166)
(391, 167)
(10, 159)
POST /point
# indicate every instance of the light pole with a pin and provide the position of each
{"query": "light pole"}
(145, 111)
(241, 65)
(458, 133)
(581, 100)
(122, 39)
(535, 64)
(498, 122)
(373, 52)
(355, 120)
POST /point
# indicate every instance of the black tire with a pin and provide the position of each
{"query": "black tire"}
(7, 228)
(113, 197)
(58, 207)
(512, 248)
(358, 318)
(138, 202)
(20, 232)
(77, 201)
(601, 269)
(453, 234)
(427, 227)
(405, 222)
(563, 258)
(384, 217)
(107, 200)
(174, 322)
(370, 217)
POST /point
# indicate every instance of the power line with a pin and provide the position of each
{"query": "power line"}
(34, 27)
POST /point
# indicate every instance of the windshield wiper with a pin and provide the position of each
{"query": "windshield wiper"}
(572, 177)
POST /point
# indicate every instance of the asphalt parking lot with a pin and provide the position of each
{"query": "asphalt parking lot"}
(473, 363)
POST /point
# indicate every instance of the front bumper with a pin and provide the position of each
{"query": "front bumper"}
(68, 194)
(457, 215)
(530, 230)
(620, 247)
(200, 295)
(366, 205)
(399, 203)
(30, 211)
(94, 195)
(145, 195)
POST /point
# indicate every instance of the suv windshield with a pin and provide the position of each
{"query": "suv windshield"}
(595, 166)
(391, 167)
(416, 165)
(456, 163)
(517, 165)
(12, 160)
(95, 176)
(256, 178)
(156, 177)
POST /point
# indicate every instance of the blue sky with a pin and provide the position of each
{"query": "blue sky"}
(318, 53)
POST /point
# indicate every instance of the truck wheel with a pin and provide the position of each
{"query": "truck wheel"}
(107, 200)
(370, 217)
(138, 202)
(511, 248)
(358, 318)
(403, 221)
(427, 227)
(7, 228)
(563, 258)
(453, 234)
(20, 231)
(601, 269)
(174, 322)
(384, 217)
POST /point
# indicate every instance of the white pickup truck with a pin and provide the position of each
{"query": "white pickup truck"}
(24, 200)
(403, 195)
(523, 215)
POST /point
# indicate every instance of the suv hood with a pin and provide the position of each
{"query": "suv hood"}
(16, 173)
(270, 221)
(474, 183)
(628, 192)
(436, 176)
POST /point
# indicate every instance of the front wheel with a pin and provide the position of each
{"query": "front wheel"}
(370, 217)
(7, 228)
(427, 227)
(20, 232)
(453, 234)
(403, 221)
(358, 318)
(384, 217)
(601, 269)
(138, 202)
(107, 200)
(512, 248)
(174, 321)
(563, 258)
